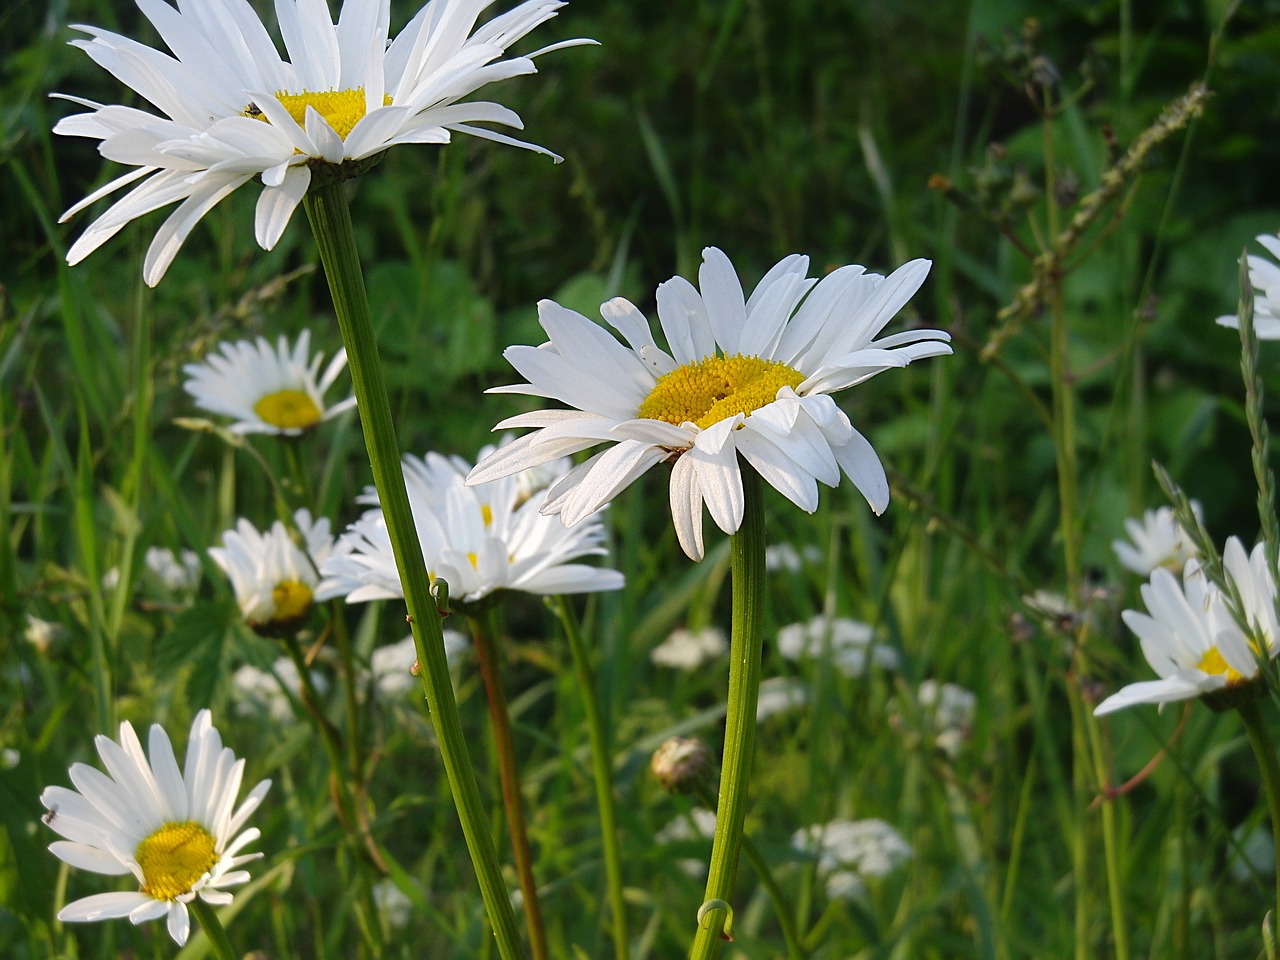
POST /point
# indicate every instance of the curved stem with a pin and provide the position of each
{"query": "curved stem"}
(747, 564)
(207, 917)
(484, 628)
(1264, 749)
(601, 772)
(331, 223)
(790, 935)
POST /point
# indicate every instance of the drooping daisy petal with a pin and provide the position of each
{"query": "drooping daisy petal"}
(745, 376)
(172, 847)
(342, 95)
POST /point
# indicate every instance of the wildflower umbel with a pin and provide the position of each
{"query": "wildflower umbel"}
(179, 832)
(1190, 637)
(229, 109)
(265, 389)
(748, 377)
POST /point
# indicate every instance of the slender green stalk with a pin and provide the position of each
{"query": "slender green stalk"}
(1110, 842)
(207, 917)
(601, 772)
(484, 629)
(791, 936)
(747, 565)
(331, 223)
(1264, 749)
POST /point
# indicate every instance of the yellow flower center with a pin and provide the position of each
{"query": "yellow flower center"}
(343, 109)
(714, 388)
(173, 858)
(1212, 663)
(292, 599)
(288, 410)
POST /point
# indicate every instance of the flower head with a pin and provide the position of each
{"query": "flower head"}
(1264, 277)
(229, 109)
(479, 539)
(392, 667)
(263, 692)
(1158, 540)
(741, 376)
(266, 389)
(178, 832)
(274, 579)
(1190, 637)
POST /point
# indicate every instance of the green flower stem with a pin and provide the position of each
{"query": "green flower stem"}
(1265, 751)
(746, 553)
(331, 223)
(791, 936)
(484, 629)
(207, 917)
(602, 773)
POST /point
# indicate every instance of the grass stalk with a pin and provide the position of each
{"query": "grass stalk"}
(484, 630)
(1264, 749)
(602, 775)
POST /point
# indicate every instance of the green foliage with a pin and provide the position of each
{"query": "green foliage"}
(764, 129)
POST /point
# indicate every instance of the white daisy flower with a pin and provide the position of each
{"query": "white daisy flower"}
(274, 579)
(1158, 540)
(1189, 636)
(265, 389)
(750, 376)
(229, 109)
(42, 634)
(689, 649)
(845, 644)
(479, 539)
(178, 832)
(1264, 277)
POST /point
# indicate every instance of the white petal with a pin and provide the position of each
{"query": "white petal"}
(102, 906)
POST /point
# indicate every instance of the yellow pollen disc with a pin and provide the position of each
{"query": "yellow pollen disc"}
(292, 600)
(288, 410)
(173, 858)
(1212, 663)
(486, 514)
(343, 109)
(714, 388)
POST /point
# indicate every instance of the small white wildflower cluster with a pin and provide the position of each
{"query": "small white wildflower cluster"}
(849, 852)
(846, 644)
(698, 824)
(262, 692)
(689, 649)
(780, 695)
(785, 558)
(950, 708)
(391, 666)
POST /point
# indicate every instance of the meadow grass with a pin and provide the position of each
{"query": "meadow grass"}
(764, 129)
